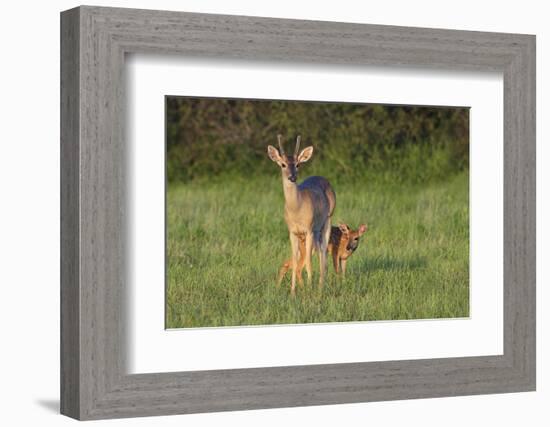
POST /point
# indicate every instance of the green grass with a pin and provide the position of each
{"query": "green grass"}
(227, 238)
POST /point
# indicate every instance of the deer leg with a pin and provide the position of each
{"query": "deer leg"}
(302, 260)
(325, 234)
(288, 264)
(322, 264)
(335, 262)
(282, 271)
(308, 250)
(344, 267)
(295, 247)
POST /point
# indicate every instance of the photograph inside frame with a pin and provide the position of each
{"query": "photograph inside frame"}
(298, 212)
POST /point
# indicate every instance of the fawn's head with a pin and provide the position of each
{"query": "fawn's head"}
(289, 163)
(351, 237)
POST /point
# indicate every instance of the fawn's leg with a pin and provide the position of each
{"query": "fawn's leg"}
(335, 262)
(282, 271)
(344, 267)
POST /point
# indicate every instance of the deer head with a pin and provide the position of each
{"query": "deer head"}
(289, 163)
(352, 236)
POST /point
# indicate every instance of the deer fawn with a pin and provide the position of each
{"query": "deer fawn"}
(308, 209)
(342, 243)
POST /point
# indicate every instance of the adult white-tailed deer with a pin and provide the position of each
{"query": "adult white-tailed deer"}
(308, 209)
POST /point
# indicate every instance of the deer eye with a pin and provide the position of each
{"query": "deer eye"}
(283, 165)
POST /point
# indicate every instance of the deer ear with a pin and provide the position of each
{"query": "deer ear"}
(362, 229)
(343, 228)
(273, 153)
(305, 155)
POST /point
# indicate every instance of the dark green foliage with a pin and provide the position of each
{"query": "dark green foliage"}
(209, 137)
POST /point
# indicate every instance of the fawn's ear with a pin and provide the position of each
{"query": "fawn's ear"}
(273, 154)
(362, 229)
(305, 155)
(343, 228)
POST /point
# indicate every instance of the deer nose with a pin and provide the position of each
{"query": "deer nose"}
(292, 178)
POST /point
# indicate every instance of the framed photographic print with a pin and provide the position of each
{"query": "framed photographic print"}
(225, 214)
(261, 213)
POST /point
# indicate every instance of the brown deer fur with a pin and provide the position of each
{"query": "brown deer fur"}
(308, 209)
(342, 243)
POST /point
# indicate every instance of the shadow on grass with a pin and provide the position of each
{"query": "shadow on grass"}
(388, 263)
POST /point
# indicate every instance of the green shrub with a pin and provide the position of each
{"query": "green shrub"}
(209, 137)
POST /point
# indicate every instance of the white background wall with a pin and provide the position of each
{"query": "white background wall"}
(29, 214)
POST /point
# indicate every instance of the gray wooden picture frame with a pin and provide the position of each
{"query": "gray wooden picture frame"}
(94, 381)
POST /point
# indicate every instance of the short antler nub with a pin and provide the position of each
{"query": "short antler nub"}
(280, 140)
(297, 149)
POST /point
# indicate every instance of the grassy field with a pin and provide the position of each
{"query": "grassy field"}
(226, 240)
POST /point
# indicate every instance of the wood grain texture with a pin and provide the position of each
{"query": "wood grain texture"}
(94, 382)
(70, 221)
